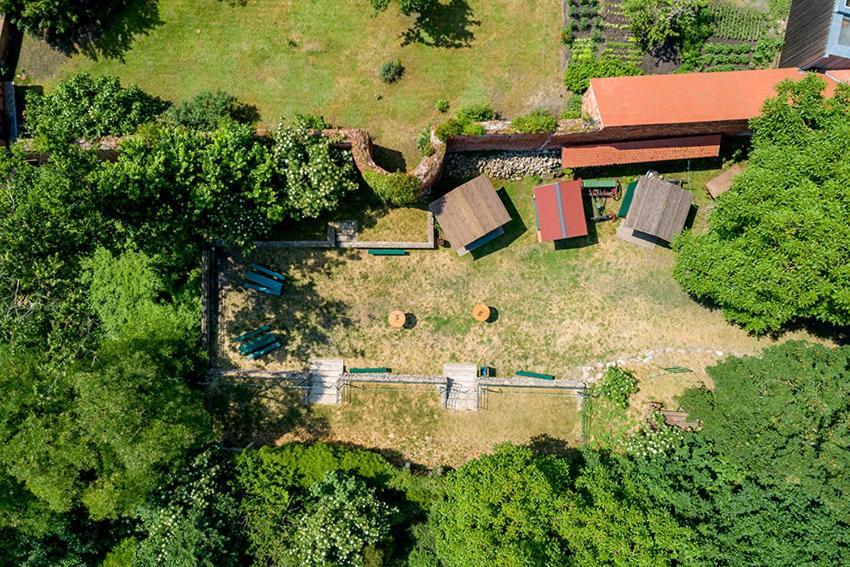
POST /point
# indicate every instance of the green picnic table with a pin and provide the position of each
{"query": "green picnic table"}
(538, 375)
(252, 334)
(257, 344)
(608, 183)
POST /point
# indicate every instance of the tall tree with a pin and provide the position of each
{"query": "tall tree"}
(656, 22)
(777, 248)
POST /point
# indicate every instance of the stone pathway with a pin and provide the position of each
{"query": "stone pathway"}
(325, 379)
(462, 394)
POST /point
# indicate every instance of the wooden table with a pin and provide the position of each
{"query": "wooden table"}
(397, 319)
(481, 312)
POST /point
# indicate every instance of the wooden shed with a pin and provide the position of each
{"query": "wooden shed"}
(471, 215)
(560, 211)
(659, 211)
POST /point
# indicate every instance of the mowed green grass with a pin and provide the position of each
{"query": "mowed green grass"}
(324, 57)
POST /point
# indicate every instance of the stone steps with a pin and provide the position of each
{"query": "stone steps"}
(325, 378)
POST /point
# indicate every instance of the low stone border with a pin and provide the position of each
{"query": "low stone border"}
(517, 382)
(394, 379)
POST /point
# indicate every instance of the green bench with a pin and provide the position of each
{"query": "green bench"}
(262, 289)
(538, 375)
(599, 183)
(263, 281)
(369, 370)
(252, 334)
(626, 204)
(257, 344)
(387, 252)
(264, 351)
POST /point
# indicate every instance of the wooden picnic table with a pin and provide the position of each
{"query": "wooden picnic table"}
(397, 319)
(481, 312)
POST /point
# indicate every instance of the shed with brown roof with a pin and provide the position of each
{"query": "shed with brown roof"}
(642, 151)
(659, 211)
(471, 215)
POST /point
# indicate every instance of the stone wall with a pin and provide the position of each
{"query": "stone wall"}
(502, 165)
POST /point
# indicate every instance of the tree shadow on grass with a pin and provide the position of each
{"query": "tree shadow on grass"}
(261, 411)
(304, 318)
(110, 33)
(445, 25)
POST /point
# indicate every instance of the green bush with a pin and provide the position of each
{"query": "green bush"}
(581, 69)
(477, 112)
(459, 127)
(423, 142)
(392, 71)
(395, 189)
(207, 109)
(617, 386)
(573, 110)
(537, 122)
(442, 106)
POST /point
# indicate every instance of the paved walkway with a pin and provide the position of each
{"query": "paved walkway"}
(325, 379)
(462, 392)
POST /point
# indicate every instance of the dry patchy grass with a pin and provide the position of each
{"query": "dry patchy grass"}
(557, 308)
(409, 423)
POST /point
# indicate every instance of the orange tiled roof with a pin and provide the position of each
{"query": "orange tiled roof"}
(643, 151)
(689, 97)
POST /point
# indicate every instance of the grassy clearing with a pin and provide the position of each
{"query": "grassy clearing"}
(324, 56)
(597, 299)
(409, 423)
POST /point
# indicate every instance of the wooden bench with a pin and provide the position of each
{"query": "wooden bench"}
(387, 252)
(369, 370)
(263, 281)
(538, 375)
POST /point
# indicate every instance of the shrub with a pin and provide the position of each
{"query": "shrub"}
(573, 109)
(207, 109)
(617, 386)
(395, 189)
(449, 129)
(582, 69)
(392, 71)
(537, 122)
(442, 106)
(567, 35)
(473, 129)
(423, 142)
(477, 112)
(311, 121)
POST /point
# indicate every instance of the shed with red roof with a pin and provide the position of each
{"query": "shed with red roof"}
(560, 211)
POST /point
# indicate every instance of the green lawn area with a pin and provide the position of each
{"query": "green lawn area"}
(594, 300)
(324, 56)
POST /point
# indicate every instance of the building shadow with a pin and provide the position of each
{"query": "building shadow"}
(108, 34)
(444, 25)
(513, 230)
(592, 237)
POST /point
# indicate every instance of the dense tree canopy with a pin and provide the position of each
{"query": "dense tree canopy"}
(85, 107)
(655, 22)
(58, 21)
(777, 249)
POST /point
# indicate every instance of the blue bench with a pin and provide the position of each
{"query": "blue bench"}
(263, 281)
(263, 289)
(267, 272)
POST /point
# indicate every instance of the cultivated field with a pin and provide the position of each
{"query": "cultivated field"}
(324, 57)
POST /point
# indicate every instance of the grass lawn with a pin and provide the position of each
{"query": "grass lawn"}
(324, 56)
(409, 423)
(598, 299)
